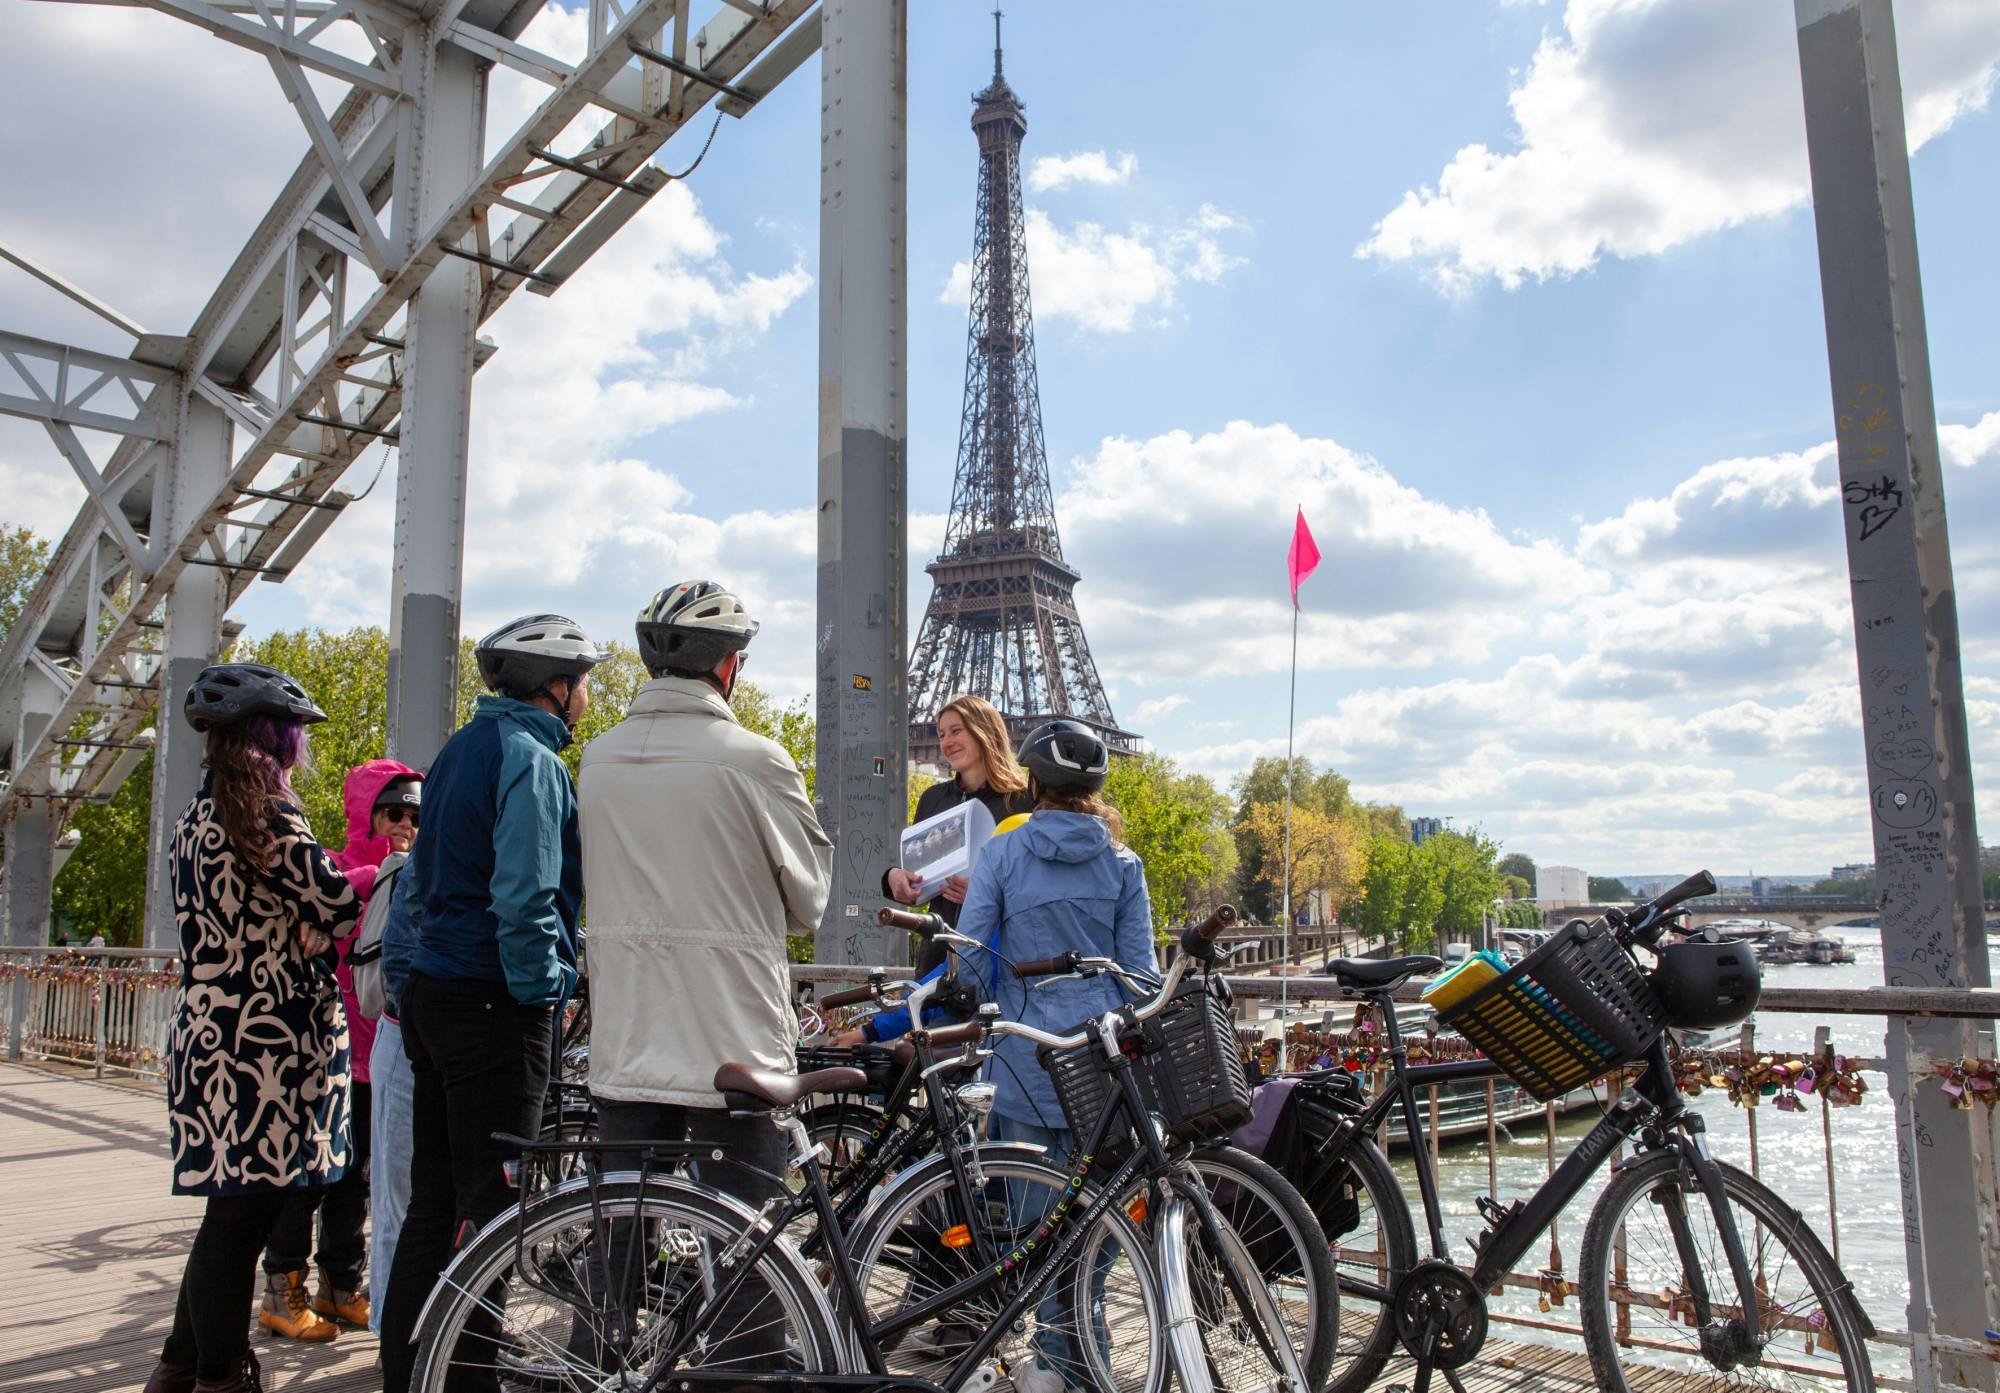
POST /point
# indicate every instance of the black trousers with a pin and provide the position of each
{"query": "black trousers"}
(211, 1331)
(479, 1062)
(342, 1208)
(748, 1332)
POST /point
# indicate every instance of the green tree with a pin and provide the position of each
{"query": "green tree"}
(103, 887)
(1327, 851)
(1514, 889)
(1860, 889)
(1402, 894)
(1989, 883)
(1521, 914)
(1522, 866)
(1171, 820)
(347, 673)
(23, 558)
(1467, 880)
(1606, 889)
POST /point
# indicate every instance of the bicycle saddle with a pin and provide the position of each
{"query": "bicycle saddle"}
(782, 1090)
(1382, 973)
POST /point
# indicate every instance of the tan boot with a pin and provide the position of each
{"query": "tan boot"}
(336, 1303)
(288, 1313)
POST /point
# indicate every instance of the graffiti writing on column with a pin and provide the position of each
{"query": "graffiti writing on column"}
(1865, 429)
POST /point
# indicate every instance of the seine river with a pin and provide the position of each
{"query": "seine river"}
(1790, 1147)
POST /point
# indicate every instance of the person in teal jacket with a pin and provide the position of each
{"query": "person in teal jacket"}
(496, 881)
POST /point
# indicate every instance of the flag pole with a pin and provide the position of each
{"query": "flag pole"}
(1291, 712)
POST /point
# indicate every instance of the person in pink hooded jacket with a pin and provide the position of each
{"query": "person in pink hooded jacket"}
(383, 800)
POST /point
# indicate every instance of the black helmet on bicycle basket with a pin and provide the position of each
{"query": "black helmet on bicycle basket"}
(688, 628)
(521, 657)
(1066, 757)
(1706, 984)
(225, 693)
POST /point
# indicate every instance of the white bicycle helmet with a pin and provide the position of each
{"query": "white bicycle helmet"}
(688, 628)
(522, 656)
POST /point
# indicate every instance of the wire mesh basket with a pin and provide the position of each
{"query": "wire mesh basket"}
(1570, 1012)
(1185, 1061)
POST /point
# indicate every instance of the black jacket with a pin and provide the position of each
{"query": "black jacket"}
(934, 800)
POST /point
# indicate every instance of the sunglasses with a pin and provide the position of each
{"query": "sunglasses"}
(399, 812)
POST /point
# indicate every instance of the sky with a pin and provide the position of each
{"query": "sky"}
(1520, 302)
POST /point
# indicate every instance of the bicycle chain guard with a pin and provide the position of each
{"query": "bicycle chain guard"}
(1440, 1315)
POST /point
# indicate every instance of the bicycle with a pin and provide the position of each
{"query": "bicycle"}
(1665, 1268)
(716, 1289)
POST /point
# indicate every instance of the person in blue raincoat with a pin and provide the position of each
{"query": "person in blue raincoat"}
(1061, 882)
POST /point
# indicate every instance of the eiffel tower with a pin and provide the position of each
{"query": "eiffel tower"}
(1002, 621)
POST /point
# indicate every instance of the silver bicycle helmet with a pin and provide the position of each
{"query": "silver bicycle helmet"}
(522, 656)
(1066, 757)
(688, 628)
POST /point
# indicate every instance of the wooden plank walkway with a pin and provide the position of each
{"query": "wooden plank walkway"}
(92, 1246)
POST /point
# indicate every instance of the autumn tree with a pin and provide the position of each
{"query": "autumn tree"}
(1327, 854)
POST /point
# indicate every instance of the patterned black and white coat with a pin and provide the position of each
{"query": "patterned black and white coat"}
(258, 1087)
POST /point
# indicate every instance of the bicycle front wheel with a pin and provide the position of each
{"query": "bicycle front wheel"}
(1652, 1245)
(563, 1299)
(1287, 1244)
(1100, 1325)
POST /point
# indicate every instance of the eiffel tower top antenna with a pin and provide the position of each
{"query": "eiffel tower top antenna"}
(996, 42)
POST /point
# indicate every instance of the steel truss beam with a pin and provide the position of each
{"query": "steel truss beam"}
(300, 354)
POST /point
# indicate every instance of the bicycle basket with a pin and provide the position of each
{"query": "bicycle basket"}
(1187, 1066)
(1202, 1087)
(877, 1061)
(1570, 1012)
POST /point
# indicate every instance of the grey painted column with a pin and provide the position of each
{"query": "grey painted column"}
(30, 851)
(438, 153)
(199, 463)
(863, 739)
(1906, 637)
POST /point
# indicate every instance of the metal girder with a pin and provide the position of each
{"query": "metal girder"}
(303, 358)
(57, 384)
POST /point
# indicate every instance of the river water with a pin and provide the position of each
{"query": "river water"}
(1791, 1151)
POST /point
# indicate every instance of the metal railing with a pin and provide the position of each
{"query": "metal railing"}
(1545, 1290)
(111, 1009)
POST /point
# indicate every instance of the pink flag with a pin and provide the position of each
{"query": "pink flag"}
(1303, 556)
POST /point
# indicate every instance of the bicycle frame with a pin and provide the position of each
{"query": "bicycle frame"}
(1651, 1106)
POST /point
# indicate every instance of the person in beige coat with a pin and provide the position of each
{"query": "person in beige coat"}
(700, 853)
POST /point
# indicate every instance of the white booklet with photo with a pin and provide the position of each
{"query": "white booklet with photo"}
(948, 844)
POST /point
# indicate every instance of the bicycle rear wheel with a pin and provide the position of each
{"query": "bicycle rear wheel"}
(526, 1304)
(1638, 1292)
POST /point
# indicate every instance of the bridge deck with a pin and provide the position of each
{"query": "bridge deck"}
(91, 1250)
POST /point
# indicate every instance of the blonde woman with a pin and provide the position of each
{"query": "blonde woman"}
(972, 737)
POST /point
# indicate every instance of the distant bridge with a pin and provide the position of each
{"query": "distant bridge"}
(1793, 911)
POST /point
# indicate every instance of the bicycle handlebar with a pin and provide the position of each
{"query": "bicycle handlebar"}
(925, 924)
(1044, 967)
(853, 996)
(1198, 942)
(1645, 924)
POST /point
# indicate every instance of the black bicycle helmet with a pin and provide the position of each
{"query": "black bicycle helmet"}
(225, 693)
(522, 656)
(1066, 757)
(1707, 983)
(688, 628)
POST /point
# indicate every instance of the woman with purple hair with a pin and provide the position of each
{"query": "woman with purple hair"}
(257, 1067)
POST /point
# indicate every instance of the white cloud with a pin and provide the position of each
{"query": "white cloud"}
(1646, 123)
(1053, 173)
(1155, 708)
(1669, 687)
(1113, 282)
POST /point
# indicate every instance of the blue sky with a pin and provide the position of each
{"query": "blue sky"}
(1520, 300)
